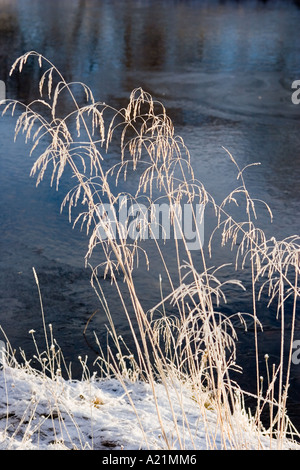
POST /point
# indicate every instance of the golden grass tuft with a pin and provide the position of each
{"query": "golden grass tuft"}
(197, 343)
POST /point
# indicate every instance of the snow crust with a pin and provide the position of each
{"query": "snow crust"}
(42, 413)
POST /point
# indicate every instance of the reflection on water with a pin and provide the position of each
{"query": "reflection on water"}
(224, 72)
(101, 41)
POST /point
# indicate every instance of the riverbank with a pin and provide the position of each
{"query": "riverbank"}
(51, 413)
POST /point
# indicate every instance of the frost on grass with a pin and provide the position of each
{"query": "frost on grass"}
(38, 412)
(178, 355)
(42, 413)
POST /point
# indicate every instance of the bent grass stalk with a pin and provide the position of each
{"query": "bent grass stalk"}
(197, 344)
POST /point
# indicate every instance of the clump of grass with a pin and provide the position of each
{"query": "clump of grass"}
(36, 399)
(197, 343)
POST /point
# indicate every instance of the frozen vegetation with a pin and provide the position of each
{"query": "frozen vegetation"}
(176, 391)
(40, 410)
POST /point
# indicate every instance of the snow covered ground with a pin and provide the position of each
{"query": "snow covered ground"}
(40, 413)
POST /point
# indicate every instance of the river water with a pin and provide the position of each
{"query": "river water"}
(224, 72)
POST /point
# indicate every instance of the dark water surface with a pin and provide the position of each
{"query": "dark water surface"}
(223, 70)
